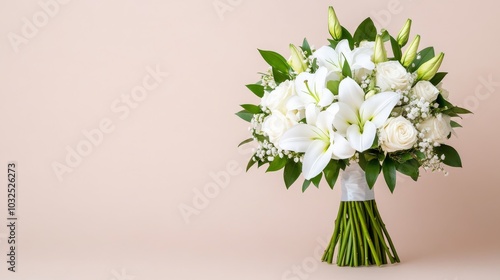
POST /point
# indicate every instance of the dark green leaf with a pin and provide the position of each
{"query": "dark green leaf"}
(420, 155)
(346, 69)
(246, 141)
(316, 180)
(438, 78)
(461, 111)
(254, 109)
(279, 76)
(333, 86)
(389, 169)
(256, 89)
(245, 115)
(365, 31)
(347, 36)
(250, 164)
(331, 172)
(424, 55)
(306, 48)
(443, 103)
(292, 172)
(452, 158)
(409, 168)
(372, 171)
(455, 124)
(306, 185)
(396, 49)
(275, 60)
(277, 164)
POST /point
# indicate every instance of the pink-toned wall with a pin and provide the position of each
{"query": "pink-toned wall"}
(74, 70)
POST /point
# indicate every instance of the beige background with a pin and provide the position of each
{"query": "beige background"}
(116, 215)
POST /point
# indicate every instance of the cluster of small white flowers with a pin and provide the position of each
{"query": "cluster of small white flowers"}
(417, 109)
(267, 152)
(256, 124)
(365, 82)
(432, 161)
(268, 79)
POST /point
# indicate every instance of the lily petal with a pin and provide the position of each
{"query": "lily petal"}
(351, 93)
(317, 157)
(341, 147)
(344, 118)
(378, 107)
(328, 57)
(362, 141)
(298, 138)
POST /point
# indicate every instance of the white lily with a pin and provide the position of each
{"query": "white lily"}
(311, 89)
(334, 59)
(358, 119)
(317, 140)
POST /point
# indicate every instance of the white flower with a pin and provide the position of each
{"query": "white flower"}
(275, 125)
(311, 89)
(426, 90)
(436, 128)
(392, 75)
(277, 99)
(397, 134)
(444, 92)
(358, 118)
(318, 141)
(358, 59)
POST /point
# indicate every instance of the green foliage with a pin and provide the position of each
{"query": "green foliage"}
(372, 170)
(256, 89)
(396, 49)
(292, 172)
(275, 60)
(389, 170)
(245, 142)
(438, 78)
(254, 109)
(409, 168)
(365, 31)
(306, 47)
(425, 55)
(277, 164)
(332, 172)
(245, 115)
(452, 158)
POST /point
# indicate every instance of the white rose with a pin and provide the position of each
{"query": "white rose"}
(276, 100)
(397, 134)
(436, 128)
(275, 125)
(426, 90)
(392, 75)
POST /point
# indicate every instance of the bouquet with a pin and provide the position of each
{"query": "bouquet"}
(365, 104)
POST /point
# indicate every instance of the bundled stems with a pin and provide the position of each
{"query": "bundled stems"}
(361, 236)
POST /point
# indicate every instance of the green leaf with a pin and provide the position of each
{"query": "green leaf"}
(292, 172)
(372, 171)
(365, 31)
(452, 158)
(254, 109)
(409, 168)
(461, 111)
(443, 103)
(385, 35)
(277, 164)
(396, 49)
(246, 141)
(425, 55)
(250, 164)
(306, 185)
(346, 69)
(331, 172)
(275, 60)
(420, 155)
(347, 36)
(389, 169)
(279, 76)
(306, 48)
(316, 180)
(455, 124)
(438, 78)
(333, 86)
(256, 89)
(245, 115)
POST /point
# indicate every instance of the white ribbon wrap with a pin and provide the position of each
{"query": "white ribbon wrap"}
(354, 185)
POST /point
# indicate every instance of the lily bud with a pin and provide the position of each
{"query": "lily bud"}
(430, 68)
(370, 94)
(297, 60)
(334, 26)
(404, 33)
(379, 53)
(411, 52)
